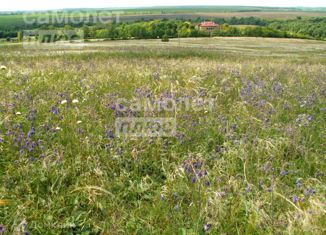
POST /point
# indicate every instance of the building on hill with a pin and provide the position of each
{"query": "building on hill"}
(208, 26)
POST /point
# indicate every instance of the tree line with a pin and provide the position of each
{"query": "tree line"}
(314, 28)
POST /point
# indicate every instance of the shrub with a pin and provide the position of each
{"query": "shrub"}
(165, 38)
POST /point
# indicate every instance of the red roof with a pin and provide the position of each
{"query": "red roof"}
(208, 24)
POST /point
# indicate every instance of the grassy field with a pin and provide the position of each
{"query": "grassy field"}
(263, 15)
(251, 163)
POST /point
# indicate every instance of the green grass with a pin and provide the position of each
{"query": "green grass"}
(262, 145)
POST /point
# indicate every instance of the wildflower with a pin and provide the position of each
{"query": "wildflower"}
(277, 88)
(193, 179)
(234, 126)
(1, 140)
(2, 229)
(304, 120)
(75, 101)
(79, 122)
(2, 67)
(207, 227)
(113, 107)
(31, 132)
(18, 113)
(58, 129)
(138, 90)
(248, 189)
(295, 199)
(54, 110)
(323, 110)
(208, 183)
(109, 134)
(283, 173)
(298, 183)
(64, 102)
(308, 192)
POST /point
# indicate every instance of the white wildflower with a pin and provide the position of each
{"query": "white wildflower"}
(75, 101)
(64, 102)
(2, 67)
(18, 113)
(79, 122)
(58, 128)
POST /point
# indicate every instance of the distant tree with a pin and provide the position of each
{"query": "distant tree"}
(20, 36)
(165, 38)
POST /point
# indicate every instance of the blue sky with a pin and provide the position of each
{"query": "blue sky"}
(12, 5)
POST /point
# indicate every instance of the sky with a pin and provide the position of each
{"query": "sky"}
(16, 5)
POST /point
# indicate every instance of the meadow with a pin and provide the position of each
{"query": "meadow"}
(253, 163)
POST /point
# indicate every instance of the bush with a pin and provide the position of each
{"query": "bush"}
(165, 38)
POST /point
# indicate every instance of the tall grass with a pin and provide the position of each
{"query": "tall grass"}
(253, 165)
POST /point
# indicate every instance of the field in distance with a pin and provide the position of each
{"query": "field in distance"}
(130, 15)
(216, 46)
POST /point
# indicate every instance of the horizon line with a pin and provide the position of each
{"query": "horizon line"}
(160, 6)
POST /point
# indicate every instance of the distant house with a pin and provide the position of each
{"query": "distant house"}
(208, 26)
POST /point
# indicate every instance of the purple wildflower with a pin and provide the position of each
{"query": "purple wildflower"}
(54, 110)
(109, 134)
(2, 229)
(193, 179)
(137, 90)
(277, 88)
(248, 189)
(31, 132)
(1, 140)
(298, 183)
(308, 192)
(295, 199)
(283, 172)
(234, 126)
